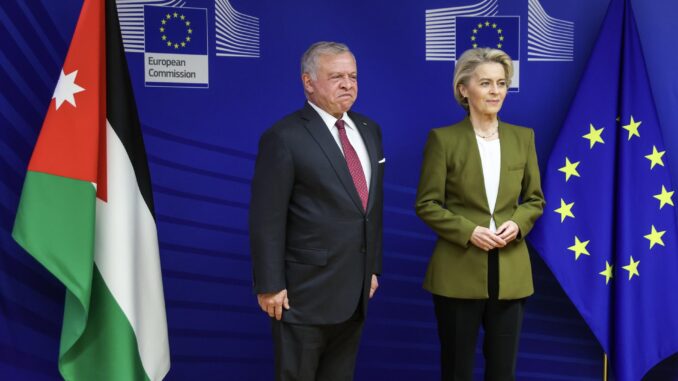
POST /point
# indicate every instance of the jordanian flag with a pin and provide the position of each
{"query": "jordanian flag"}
(86, 212)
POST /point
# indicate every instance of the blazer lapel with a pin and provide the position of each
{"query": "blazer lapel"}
(475, 164)
(371, 146)
(507, 148)
(318, 130)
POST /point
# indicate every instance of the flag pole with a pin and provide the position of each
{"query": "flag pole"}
(604, 366)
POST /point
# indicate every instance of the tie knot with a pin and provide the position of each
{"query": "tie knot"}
(340, 124)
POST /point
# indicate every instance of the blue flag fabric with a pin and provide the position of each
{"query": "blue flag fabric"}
(608, 232)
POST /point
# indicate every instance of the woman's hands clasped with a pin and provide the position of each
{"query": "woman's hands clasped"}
(485, 239)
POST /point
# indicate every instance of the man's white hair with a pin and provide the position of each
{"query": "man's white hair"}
(309, 61)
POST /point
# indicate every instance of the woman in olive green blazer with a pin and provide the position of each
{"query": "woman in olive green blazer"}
(480, 193)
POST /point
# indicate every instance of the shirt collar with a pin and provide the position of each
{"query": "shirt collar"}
(331, 120)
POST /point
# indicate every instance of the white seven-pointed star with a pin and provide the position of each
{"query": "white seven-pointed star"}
(66, 88)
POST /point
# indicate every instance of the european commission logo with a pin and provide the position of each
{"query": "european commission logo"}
(501, 32)
(176, 47)
(179, 51)
(451, 31)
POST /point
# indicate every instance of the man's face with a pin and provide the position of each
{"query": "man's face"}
(335, 88)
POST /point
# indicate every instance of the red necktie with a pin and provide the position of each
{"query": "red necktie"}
(353, 163)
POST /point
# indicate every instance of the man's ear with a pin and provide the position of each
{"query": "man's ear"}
(307, 82)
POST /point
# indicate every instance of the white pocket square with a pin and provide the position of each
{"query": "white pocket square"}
(382, 161)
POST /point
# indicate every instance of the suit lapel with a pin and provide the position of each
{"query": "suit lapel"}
(475, 163)
(318, 130)
(507, 147)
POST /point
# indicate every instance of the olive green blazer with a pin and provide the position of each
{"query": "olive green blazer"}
(451, 199)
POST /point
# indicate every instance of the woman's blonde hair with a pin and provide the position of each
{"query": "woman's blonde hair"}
(469, 61)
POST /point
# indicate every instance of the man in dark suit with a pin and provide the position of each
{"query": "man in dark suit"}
(316, 221)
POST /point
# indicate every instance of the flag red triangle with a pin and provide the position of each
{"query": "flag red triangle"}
(72, 142)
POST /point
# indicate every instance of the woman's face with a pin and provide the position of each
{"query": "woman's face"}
(486, 89)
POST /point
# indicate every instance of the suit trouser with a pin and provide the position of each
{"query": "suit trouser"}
(459, 321)
(317, 352)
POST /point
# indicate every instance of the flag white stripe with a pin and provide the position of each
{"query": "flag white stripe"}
(127, 255)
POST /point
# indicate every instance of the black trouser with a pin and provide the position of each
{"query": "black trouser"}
(459, 321)
(316, 352)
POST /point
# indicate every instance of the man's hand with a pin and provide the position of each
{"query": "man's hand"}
(273, 302)
(508, 231)
(374, 286)
(483, 238)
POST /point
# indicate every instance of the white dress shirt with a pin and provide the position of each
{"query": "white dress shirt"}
(490, 157)
(353, 137)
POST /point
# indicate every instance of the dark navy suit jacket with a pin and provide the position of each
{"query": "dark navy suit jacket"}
(308, 230)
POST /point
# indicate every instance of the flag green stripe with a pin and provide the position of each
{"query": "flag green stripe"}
(55, 224)
(107, 349)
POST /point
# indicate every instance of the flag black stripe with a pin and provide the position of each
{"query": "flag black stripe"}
(121, 108)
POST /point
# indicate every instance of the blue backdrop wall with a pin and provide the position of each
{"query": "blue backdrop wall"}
(202, 142)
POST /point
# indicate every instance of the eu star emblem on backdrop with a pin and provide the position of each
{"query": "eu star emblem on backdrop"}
(609, 229)
(175, 47)
(175, 30)
(498, 32)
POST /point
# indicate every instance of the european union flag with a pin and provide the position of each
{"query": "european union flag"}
(609, 230)
(175, 30)
(499, 32)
